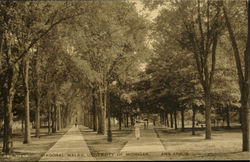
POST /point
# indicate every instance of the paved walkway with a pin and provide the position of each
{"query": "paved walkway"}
(148, 142)
(70, 147)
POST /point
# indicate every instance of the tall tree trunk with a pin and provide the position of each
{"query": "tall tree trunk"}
(22, 124)
(49, 118)
(37, 91)
(38, 113)
(247, 93)
(86, 119)
(54, 119)
(99, 130)
(109, 139)
(8, 116)
(120, 118)
(243, 79)
(120, 121)
(59, 118)
(245, 122)
(201, 49)
(193, 121)
(132, 120)
(167, 121)
(94, 110)
(228, 116)
(127, 120)
(240, 118)
(104, 111)
(171, 119)
(182, 120)
(96, 119)
(208, 115)
(90, 119)
(27, 138)
(100, 114)
(175, 119)
(162, 117)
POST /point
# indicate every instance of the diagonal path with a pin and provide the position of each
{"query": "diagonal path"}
(70, 147)
(148, 142)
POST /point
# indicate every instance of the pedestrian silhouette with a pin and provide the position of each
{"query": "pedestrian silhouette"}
(137, 130)
(76, 123)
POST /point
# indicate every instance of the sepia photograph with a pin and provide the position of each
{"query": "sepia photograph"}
(124, 80)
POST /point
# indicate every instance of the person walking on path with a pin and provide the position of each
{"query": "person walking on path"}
(76, 123)
(137, 130)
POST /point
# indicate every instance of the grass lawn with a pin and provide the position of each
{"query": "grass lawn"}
(33, 151)
(226, 144)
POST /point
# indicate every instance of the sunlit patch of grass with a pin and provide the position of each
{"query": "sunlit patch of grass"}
(225, 144)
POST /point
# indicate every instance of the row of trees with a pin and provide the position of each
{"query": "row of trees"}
(71, 59)
(193, 65)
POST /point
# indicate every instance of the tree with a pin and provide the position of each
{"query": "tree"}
(197, 31)
(21, 28)
(27, 138)
(243, 73)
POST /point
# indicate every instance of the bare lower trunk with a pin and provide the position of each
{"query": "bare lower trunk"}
(127, 120)
(94, 110)
(7, 139)
(22, 125)
(228, 117)
(163, 118)
(175, 119)
(37, 83)
(120, 122)
(240, 118)
(246, 106)
(109, 139)
(208, 116)
(171, 120)
(99, 130)
(245, 125)
(8, 119)
(59, 118)
(167, 121)
(90, 119)
(53, 118)
(27, 138)
(104, 112)
(193, 121)
(96, 120)
(100, 114)
(132, 120)
(182, 121)
(38, 116)
(49, 118)
(86, 118)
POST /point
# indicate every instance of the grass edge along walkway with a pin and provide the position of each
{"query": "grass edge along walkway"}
(148, 142)
(70, 147)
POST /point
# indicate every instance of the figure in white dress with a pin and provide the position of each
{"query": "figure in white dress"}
(137, 130)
